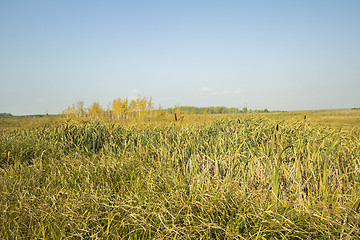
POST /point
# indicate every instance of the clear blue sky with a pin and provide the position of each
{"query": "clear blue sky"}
(280, 55)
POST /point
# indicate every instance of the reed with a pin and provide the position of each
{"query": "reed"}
(249, 176)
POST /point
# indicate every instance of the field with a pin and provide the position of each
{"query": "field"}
(240, 176)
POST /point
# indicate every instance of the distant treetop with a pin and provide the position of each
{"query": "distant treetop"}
(5, 115)
(212, 110)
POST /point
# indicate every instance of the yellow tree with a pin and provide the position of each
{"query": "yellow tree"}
(116, 106)
(143, 106)
(95, 110)
(141, 103)
(139, 107)
(120, 108)
(133, 108)
(76, 110)
(125, 107)
(70, 111)
(149, 106)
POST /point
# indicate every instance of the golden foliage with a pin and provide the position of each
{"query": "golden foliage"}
(96, 111)
(139, 108)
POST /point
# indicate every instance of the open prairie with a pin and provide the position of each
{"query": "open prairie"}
(239, 176)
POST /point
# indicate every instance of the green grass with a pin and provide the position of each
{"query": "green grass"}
(249, 176)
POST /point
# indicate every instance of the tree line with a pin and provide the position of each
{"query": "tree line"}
(212, 110)
(143, 108)
(6, 115)
(125, 108)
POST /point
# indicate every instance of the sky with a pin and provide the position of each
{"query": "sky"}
(278, 55)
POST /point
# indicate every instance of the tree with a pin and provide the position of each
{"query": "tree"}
(76, 110)
(120, 108)
(141, 107)
(70, 111)
(133, 108)
(141, 103)
(95, 110)
(5, 115)
(80, 110)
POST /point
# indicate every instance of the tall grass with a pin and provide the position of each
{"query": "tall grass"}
(234, 177)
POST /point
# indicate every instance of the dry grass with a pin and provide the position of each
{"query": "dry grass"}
(250, 176)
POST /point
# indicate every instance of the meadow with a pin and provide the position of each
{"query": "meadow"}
(226, 176)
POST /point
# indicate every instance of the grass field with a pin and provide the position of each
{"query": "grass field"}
(244, 176)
